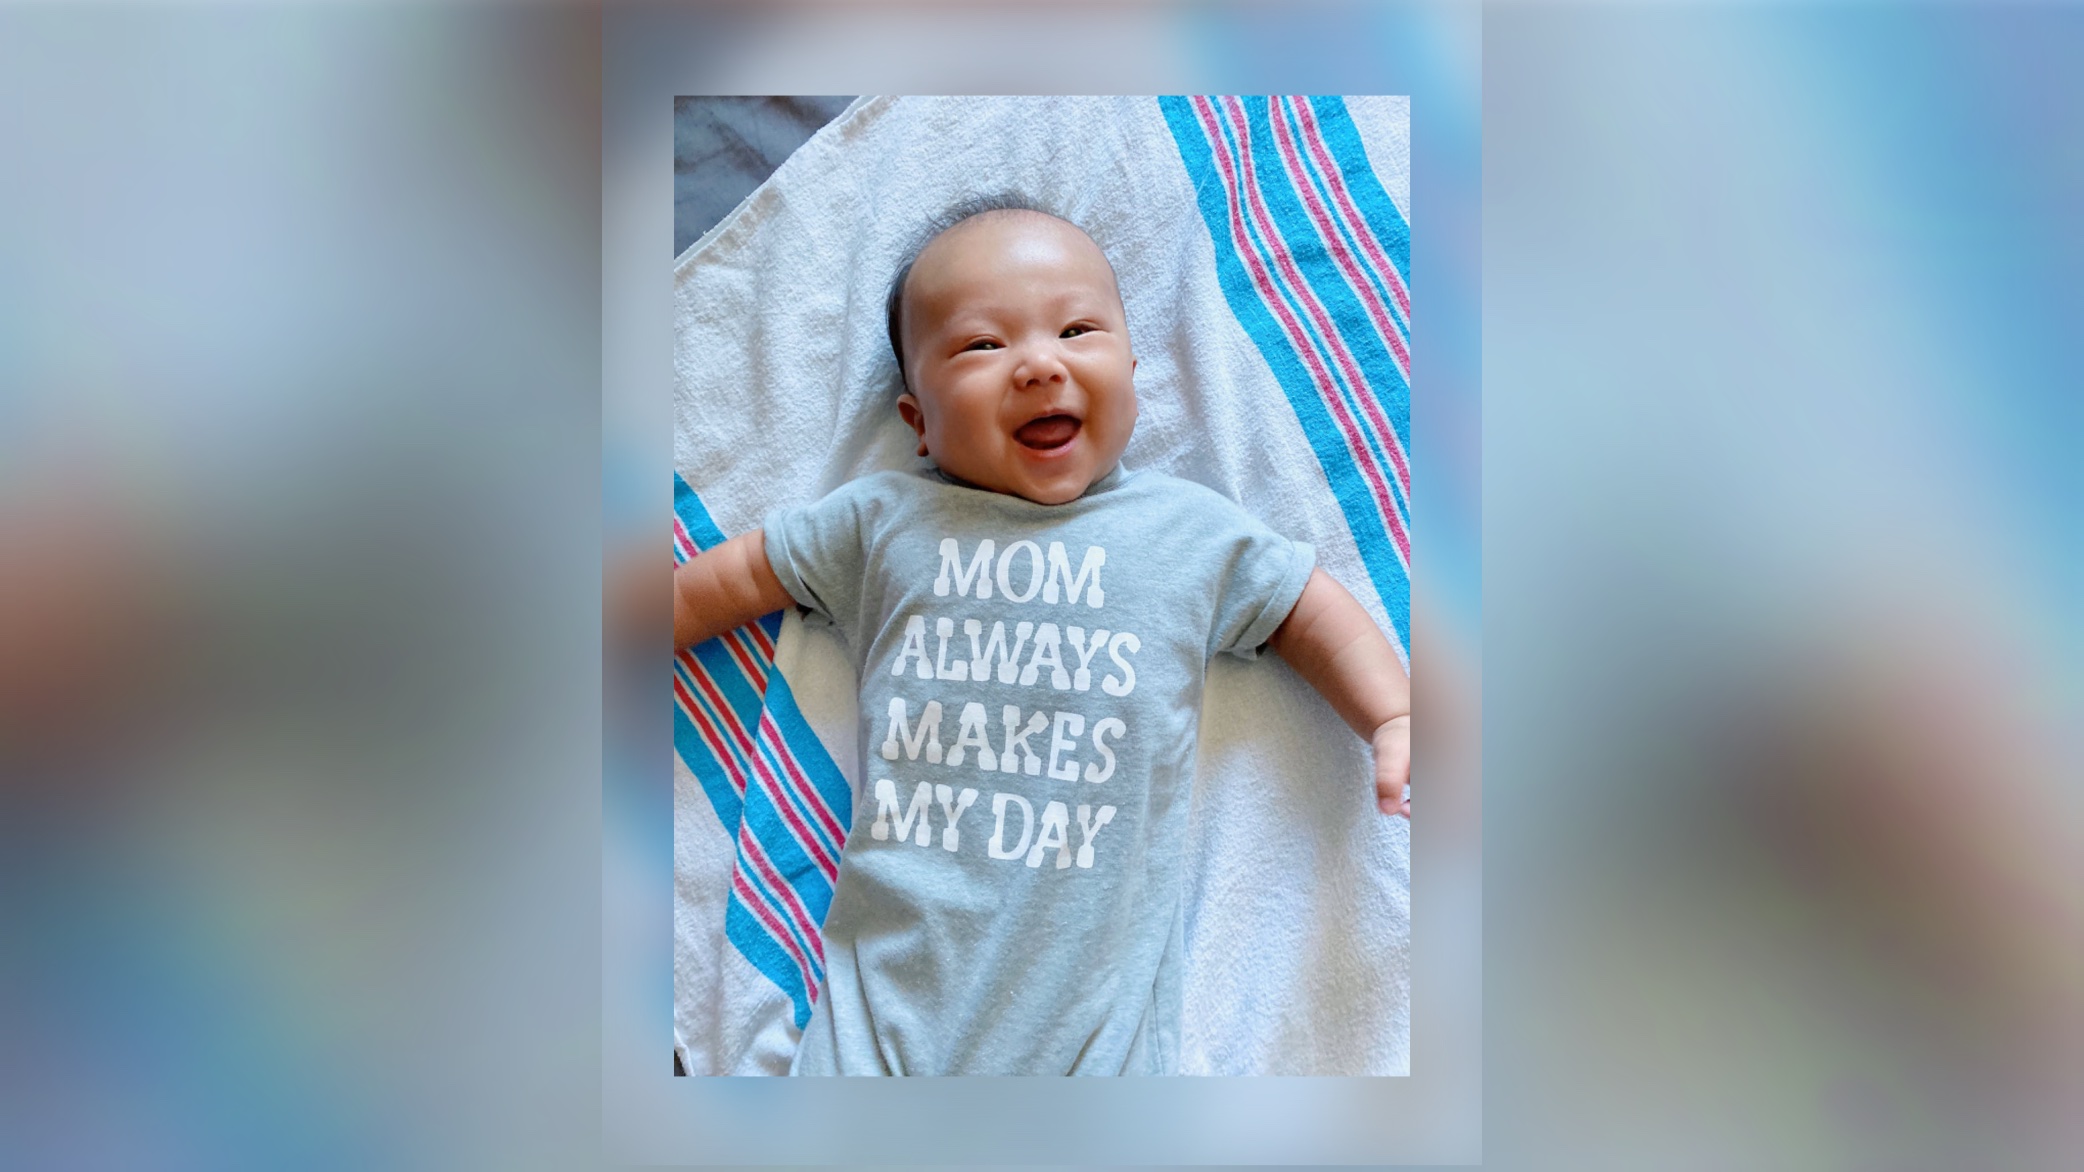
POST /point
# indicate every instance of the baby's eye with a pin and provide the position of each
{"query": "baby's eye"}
(982, 344)
(1074, 331)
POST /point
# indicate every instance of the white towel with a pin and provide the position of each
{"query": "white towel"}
(1296, 905)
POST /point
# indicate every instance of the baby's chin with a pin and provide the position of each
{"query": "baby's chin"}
(1059, 490)
(1061, 484)
(1053, 496)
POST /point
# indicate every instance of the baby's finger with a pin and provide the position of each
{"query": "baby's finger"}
(1391, 798)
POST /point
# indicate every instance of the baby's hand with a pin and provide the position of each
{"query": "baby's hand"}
(1392, 744)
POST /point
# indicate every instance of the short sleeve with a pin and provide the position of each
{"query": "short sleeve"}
(1265, 575)
(817, 551)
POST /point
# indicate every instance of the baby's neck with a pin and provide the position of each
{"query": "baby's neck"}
(959, 482)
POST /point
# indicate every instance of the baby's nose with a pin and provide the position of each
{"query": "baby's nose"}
(1038, 365)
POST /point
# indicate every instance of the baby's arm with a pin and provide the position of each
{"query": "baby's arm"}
(1332, 642)
(724, 588)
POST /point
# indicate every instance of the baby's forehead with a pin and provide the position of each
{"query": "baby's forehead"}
(1003, 232)
(971, 252)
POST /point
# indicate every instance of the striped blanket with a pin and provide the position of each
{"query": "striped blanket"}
(1264, 253)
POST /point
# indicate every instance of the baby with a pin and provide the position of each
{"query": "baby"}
(1032, 624)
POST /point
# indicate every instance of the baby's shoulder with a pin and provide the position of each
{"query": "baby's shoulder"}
(876, 492)
(887, 481)
(1178, 495)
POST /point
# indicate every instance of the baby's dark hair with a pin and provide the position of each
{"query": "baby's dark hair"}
(968, 209)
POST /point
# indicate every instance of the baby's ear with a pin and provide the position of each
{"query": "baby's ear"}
(914, 417)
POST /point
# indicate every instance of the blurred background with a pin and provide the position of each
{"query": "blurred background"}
(334, 342)
(1781, 560)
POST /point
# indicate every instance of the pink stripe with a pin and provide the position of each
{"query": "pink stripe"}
(686, 545)
(710, 736)
(1363, 459)
(764, 777)
(752, 851)
(796, 807)
(1277, 246)
(799, 784)
(758, 868)
(824, 858)
(807, 841)
(747, 646)
(748, 661)
(758, 905)
(770, 735)
(768, 871)
(1336, 179)
(728, 719)
(712, 739)
(1363, 289)
(760, 639)
(726, 716)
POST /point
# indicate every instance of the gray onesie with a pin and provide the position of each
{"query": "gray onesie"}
(1009, 897)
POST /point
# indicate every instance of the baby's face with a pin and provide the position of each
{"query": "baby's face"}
(1017, 356)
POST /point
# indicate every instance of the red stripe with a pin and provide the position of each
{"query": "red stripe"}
(799, 784)
(748, 661)
(748, 647)
(1363, 459)
(757, 904)
(769, 734)
(760, 639)
(1336, 179)
(710, 737)
(764, 776)
(798, 812)
(724, 711)
(1256, 205)
(686, 545)
(803, 784)
(826, 860)
(1363, 289)
(761, 860)
(753, 851)
(728, 719)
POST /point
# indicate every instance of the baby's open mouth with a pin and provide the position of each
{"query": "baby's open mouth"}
(1048, 432)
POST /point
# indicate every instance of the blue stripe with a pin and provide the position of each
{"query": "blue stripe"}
(756, 811)
(818, 767)
(1312, 257)
(723, 797)
(799, 803)
(1342, 139)
(723, 671)
(733, 754)
(1349, 318)
(780, 906)
(1378, 288)
(746, 933)
(688, 507)
(1349, 487)
(788, 856)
